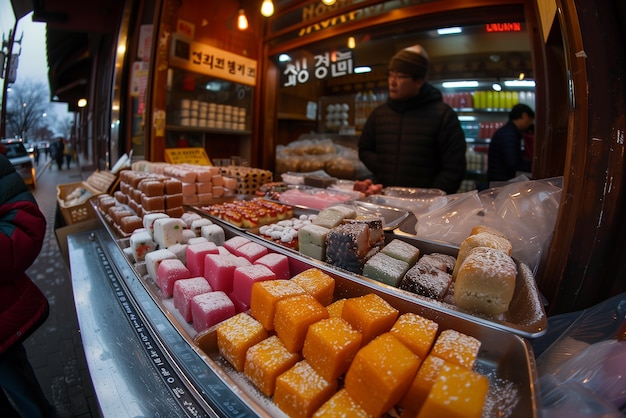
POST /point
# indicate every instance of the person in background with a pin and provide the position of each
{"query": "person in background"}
(67, 153)
(23, 307)
(505, 158)
(56, 151)
(415, 139)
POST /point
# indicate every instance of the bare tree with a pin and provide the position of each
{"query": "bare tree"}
(26, 104)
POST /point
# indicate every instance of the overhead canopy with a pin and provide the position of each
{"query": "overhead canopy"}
(73, 34)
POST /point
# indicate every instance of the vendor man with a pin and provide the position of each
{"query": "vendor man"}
(415, 139)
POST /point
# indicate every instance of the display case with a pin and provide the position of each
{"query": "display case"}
(144, 357)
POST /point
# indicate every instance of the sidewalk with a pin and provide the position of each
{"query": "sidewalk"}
(55, 350)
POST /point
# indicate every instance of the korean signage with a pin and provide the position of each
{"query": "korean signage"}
(208, 60)
(326, 65)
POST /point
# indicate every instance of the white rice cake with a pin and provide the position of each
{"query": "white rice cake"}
(141, 243)
(168, 231)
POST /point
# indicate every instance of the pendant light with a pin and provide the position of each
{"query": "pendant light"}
(267, 8)
(329, 2)
(242, 20)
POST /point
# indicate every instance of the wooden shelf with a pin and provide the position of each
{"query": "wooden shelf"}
(178, 128)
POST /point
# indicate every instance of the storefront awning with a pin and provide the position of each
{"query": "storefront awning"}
(74, 32)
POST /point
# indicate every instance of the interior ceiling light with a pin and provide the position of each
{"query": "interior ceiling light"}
(361, 70)
(459, 84)
(519, 83)
(449, 31)
(242, 20)
(329, 2)
(284, 58)
(496, 86)
(267, 8)
(351, 42)
(521, 76)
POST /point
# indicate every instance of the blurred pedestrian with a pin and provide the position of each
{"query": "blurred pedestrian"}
(56, 151)
(67, 153)
(23, 307)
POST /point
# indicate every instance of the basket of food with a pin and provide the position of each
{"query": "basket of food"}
(73, 198)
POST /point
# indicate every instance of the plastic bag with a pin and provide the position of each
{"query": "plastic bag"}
(581, 362)
(525, 211)
(452, 222)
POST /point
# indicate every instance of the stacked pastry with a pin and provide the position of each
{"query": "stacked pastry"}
(484, 274)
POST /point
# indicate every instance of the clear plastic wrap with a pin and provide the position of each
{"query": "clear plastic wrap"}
(583, 370)
(525, 211)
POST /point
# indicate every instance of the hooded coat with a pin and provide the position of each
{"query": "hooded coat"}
(415, 143)
(23, 307)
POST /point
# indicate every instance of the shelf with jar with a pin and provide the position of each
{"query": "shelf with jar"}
(198, 104)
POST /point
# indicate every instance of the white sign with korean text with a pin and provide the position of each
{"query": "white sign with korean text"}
(329, 64)
(208, 60)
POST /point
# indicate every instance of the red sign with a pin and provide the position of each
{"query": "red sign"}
(504, 27)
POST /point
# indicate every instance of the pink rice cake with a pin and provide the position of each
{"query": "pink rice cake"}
(196, 254)
(154, 258)
(219, 270)
(278, 263)
(251, 251)
(235, 242)
(208, 309)
(168, 272)
(239, 305)
(244, 277)
(184, 290)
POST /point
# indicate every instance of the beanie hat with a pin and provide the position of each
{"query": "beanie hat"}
(409, 62)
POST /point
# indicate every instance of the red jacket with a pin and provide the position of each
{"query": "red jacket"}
(22, 229)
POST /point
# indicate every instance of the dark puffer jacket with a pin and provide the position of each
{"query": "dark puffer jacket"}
(22, 229)
(415, 143)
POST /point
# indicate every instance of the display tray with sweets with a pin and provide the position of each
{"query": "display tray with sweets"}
(310, 197)
(246, 211)
(526, 315)
(504, 358)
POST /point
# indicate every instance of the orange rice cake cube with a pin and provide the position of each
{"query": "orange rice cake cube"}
(236, 335)
(381, 373)
(293, 317)
(265, 361)
(300, 391)
(336, 308)
(330, 347)
(457, 348)
(370, 314)
(457, 393)
(340, 405)
(317, 283)
(424, 380)
(266, 294)
(416, 332)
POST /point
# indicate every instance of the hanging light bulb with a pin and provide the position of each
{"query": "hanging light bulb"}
(242, 20)
(351, 42)
(329, 2)
(267, 8)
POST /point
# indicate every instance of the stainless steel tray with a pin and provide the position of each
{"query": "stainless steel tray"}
(505, 358)
(526, 315)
